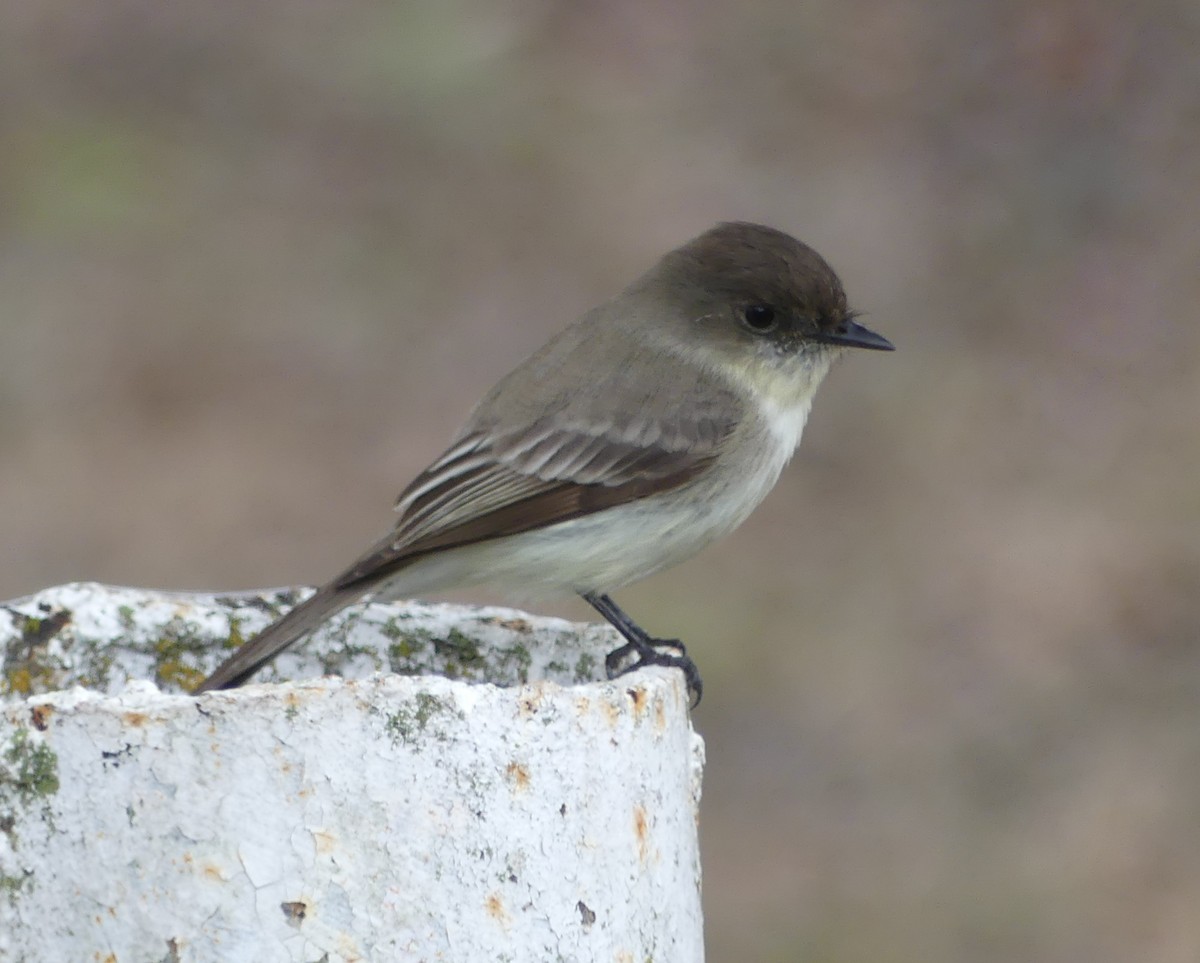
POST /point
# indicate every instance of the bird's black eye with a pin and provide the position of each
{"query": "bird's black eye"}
(759, 317)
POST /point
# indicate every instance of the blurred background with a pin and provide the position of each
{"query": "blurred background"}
(258, 259)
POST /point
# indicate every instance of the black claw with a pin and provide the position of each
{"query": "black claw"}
(644, 649)
(612, 661)
(618, 662)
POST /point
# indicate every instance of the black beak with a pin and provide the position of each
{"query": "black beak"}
(850, 334)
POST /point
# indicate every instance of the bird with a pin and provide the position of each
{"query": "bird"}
(650, 427)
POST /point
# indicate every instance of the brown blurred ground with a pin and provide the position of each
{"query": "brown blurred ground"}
(257, 260)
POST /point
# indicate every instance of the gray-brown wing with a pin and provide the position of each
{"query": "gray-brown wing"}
(490, 484)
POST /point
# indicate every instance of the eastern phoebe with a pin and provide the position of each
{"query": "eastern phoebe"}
(650, 427)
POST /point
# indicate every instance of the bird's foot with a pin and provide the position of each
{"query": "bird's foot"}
(634, 655)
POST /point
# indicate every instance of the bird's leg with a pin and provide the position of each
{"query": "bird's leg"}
(647, 650)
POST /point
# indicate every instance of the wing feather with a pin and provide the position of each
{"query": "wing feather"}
(488, 485)
(535, 453)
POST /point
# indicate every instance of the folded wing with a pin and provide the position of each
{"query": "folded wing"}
(490, 484)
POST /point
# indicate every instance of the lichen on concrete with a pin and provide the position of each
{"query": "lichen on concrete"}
(28, 784)
(100, 637)
(409, 723)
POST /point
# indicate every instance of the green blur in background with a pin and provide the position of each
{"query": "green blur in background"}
(257, 260)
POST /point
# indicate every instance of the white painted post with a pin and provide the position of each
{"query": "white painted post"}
(385, 817)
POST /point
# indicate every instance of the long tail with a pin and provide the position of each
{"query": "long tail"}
(277, 636)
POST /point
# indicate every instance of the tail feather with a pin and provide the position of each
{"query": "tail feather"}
(277, 636)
